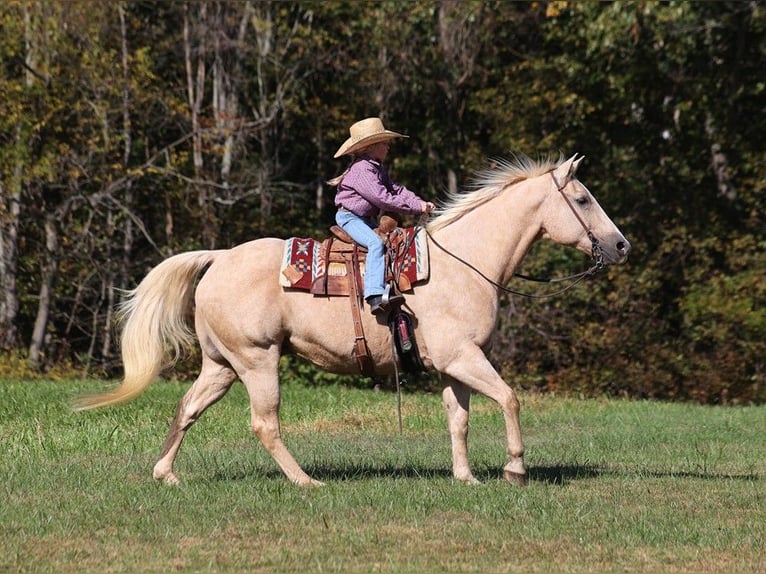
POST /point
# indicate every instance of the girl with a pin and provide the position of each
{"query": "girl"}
(364, 191)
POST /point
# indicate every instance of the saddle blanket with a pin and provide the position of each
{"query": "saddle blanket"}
(302, 262)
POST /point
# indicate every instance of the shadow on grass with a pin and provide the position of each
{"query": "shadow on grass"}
(564, 474)
(560, 475)
(326, 473)
(341, 473)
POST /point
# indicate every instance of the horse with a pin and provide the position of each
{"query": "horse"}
(244, 320)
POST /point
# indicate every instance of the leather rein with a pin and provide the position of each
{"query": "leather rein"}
(596, 253)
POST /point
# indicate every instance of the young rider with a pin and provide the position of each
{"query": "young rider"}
(365, 190)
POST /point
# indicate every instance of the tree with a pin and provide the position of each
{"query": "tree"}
(26, 72)
(638, 86)
(135, 130)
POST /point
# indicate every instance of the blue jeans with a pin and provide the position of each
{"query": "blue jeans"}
(361, 230)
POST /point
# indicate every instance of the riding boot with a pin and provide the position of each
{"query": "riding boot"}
(380, 304)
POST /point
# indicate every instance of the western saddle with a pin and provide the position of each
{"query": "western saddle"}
(343, 257)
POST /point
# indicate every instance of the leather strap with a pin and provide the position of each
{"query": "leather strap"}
(325, 255)
(361, 351)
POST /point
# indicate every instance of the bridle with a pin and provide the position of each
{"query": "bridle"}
(596, 253)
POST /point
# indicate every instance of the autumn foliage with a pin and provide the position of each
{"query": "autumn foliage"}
(134, 130)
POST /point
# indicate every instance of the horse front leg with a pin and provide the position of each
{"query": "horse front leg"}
(457, 400)
(471, 367)
(212, 383)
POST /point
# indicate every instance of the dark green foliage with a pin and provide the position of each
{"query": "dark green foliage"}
(664, 99)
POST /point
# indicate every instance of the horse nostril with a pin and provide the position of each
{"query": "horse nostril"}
(623, 247)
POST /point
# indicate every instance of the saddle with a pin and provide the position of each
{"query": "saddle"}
(335, 267)
(345, 259)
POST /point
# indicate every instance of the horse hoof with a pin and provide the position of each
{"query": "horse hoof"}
(167, 478)
(308, 483)
(172, 480)
(516, 478)
(470, 479)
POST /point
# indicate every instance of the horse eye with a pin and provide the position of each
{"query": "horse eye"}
(582, 200)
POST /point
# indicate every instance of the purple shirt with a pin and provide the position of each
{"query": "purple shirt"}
(367, 189)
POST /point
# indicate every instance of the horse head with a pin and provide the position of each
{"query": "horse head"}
(572, 216)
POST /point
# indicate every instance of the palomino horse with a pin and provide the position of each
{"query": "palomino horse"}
(245, 320)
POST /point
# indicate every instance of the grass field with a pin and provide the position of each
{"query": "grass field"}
(615, 486)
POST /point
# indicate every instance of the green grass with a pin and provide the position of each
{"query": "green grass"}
(615, 486)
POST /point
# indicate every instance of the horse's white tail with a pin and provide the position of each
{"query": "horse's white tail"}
(155, 325)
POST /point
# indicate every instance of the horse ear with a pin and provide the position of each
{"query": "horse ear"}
(576, 164)
(565, 171)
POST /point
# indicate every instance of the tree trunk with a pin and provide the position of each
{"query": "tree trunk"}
(227, 84)
(123, 272)
(10, 208)
(49, 273)
(35, 70)
(195, 87)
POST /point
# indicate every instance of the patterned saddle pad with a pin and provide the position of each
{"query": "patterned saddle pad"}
(303, 266)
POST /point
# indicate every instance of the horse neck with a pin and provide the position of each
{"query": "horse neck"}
(495, 236)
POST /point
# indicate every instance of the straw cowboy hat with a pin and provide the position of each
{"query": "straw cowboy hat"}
(364, 133)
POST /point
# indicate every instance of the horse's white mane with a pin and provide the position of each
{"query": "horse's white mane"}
(487, 183)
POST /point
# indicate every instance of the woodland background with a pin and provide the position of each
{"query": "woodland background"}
(133, 130)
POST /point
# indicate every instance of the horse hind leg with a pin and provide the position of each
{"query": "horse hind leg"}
(212, 383)
(262, 383)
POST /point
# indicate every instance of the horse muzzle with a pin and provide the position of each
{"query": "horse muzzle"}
(614, 250)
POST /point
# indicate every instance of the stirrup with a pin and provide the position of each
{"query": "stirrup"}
(389, 299)
(380, 304)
